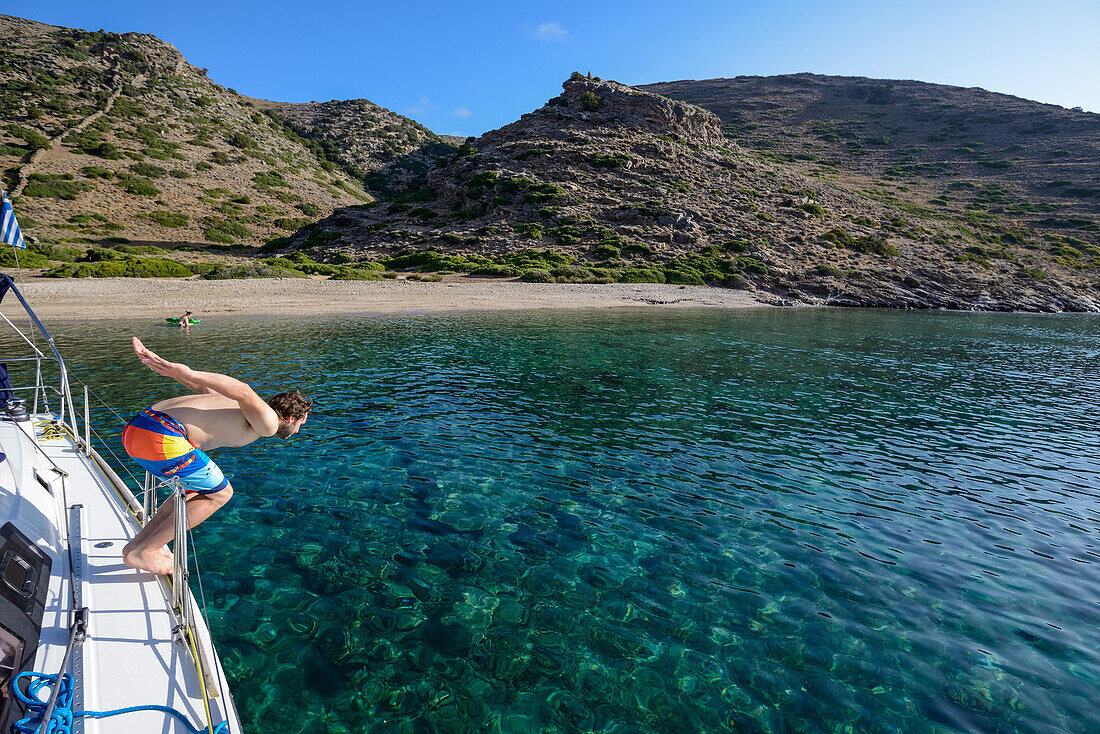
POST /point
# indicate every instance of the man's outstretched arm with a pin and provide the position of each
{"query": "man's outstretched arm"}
(259, 413)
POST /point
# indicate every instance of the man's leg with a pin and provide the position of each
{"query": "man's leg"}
(146, 550)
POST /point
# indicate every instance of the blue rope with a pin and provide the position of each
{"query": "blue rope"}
(61, 720)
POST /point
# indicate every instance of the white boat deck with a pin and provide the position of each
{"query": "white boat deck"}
(129, 658)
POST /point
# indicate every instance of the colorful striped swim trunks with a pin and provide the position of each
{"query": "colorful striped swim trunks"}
(159, 443)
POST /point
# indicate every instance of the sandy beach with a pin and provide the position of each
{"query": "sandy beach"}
(112, 298)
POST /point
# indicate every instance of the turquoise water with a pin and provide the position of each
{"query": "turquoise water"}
(775, 521)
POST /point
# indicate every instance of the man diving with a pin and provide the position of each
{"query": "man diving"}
(170, 439)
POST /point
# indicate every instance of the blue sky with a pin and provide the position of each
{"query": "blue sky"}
(462, 68)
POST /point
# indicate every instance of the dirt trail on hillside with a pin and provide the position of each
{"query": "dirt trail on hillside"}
(52, 153)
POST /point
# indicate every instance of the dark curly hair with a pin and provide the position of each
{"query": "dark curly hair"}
(292, 404)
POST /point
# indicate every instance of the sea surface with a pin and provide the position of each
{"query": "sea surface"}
(771, 520)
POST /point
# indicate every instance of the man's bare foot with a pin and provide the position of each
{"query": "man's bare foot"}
(154, 560)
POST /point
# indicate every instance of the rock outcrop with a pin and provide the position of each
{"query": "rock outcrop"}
(622, 178)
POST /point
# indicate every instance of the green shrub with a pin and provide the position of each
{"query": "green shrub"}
(224, 232)
(813, 208)
(101, 254)
(752, 265)
(96, 172)
(612, 160)
(156, 267)
(123, 267)
(504, 271)
(515, 185)
(34, 140)
(528, 259)
(573, 274)
(867, 245)
(590, 100)
(429, 260)
(653, 209)
(226, 272)
(292, 224)
(55, 185)
(356, 273)
(148, 170)
(139, 249)
(168, 219)
(240, 140)
(532, 152)
(137, 185)
(637, 249)
(27, 258)
(269, 179)
(542, 193)
(58, 254)
(607, 252)
(644, 274)
(220, 157)
(107, 151)
(484, 180)
(421, 212)
(828, 270)
(537, 275)
(530, 230)
(1087, 225)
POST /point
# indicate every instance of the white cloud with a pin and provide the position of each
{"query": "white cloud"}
(461, 112)
(547, 32)
(423, 107)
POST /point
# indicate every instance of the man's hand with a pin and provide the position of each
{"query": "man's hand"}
(161, 366)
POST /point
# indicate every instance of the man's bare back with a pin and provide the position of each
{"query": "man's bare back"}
(212, 420)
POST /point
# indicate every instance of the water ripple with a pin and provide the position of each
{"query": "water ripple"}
(815, 520)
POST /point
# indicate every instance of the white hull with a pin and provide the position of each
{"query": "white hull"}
(128, 658)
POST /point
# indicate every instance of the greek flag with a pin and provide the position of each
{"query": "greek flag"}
(9, 228)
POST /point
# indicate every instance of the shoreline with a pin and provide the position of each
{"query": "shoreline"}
(119, 298)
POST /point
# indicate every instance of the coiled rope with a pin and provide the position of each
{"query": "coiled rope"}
(61, 720)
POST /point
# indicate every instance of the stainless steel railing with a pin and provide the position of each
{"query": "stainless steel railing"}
(41, 389)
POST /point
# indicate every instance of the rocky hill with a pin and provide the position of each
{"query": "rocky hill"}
(362, 136)
(634, 184)
(107, 136)
(801, 188)
(951, 149)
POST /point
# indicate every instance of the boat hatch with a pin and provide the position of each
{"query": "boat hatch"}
(24, 581)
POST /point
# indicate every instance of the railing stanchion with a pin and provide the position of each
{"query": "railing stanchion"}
(179, 569)
(87, 421)
(147, 497)
(37, 383)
